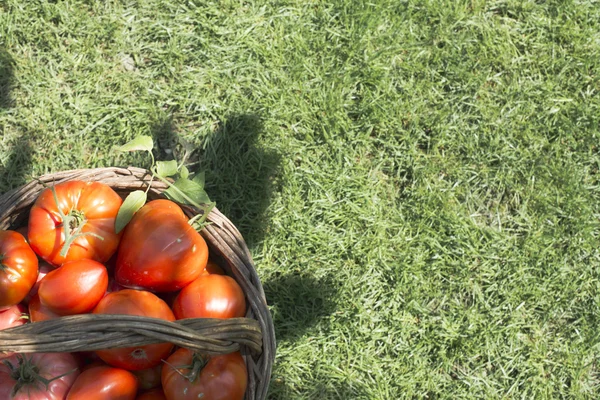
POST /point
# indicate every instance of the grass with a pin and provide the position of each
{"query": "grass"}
(418, 181)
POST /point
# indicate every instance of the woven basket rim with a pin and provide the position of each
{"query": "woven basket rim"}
(222, 237)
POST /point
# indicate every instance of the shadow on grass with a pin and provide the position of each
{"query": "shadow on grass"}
(239, 173)
(280, 390)
(13, 168)
(298, 303)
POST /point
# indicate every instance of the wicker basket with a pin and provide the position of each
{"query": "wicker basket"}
(253, 335)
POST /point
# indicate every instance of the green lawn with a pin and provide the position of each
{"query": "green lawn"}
(418, 181)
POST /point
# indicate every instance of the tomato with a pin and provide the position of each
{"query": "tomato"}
(222, 377)
(74, 288)
(37, 376)
(135, 302)
(149, 378)
(210, 296)
(159, 250)
(39, 312)
(18, 268)
(104, 383)
(14, 316)
(44, 268)
(88, 208)
(154, 394)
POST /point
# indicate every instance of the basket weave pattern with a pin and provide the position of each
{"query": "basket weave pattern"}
(253, 335)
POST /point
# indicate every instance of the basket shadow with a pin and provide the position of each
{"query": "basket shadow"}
(13, 168)
(280, 390)
(240, 174)
(6, 79)
(298, 303)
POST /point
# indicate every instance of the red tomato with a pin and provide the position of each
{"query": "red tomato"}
(135, 302)
(154, 394)
(39, 312)
(18, 268)
(44, 268)
(210, 296)
(37, 376)
(149, 378)
(14, 316)
(74, 288)
(104, 383)
(159, 250)
(223, 377)
(91, 207)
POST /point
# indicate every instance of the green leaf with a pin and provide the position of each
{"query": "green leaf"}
(139, 143)
(185, 187)
(184, 173)
(134, 201)
(199, 178)
(166, 168)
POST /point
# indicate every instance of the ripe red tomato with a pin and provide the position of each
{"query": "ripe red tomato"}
(142, 303)
(222, 377)
(37, 376)
(91, 208)
(210, 296)
(39, 312)
(18, 268)
(14, 316)
(104, 383)
(74, 288)
(159, 250)
(154, 394)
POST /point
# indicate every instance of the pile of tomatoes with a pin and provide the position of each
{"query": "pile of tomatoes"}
(70, 260)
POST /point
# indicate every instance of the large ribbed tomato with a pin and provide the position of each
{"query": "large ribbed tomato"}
(142, 303)
(18, 268)
(37, 376)
(160, 251)
(187, 376)
(88, 209)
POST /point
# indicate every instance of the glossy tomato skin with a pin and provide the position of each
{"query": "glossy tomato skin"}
(104, 383)
(210, 296)
(39, 312)
(49, 366)
(142, 303)
(14, 316)
(224, 377)
(74, 288)
(159, 250)
(154, 394)
(18, 268)
(96, 202)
